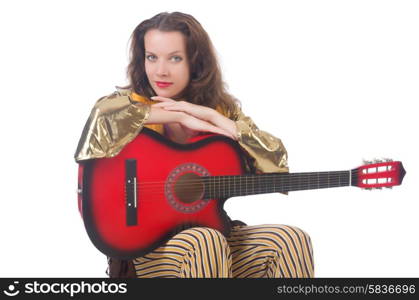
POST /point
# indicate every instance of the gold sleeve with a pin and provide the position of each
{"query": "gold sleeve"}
(267, 151)
(114, 121)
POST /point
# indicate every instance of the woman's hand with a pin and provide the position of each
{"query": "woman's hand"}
(199, 112)
(195, 124)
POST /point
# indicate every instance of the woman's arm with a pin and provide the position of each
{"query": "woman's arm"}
(159, 115)
(214, 121)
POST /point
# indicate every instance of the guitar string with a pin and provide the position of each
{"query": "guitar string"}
(280, 183)
(304, 182)
(220, 188)
(255, 177)
(214, 194)
(220, 192)
(228, 179)
(312, 182)
(259, 177)
(224, 187)
(248, 182)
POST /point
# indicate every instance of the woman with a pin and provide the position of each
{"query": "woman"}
(176, 89)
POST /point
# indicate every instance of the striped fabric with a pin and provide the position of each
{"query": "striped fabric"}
(271, 251)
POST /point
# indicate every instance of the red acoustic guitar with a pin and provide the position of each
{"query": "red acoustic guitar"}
(154, 188)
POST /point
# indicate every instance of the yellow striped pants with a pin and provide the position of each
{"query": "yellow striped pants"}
(270, 251)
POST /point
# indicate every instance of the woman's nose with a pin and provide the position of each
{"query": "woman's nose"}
(162, 69)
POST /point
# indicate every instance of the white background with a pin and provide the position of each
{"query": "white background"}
(337, 81)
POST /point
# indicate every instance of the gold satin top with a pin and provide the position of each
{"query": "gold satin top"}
(116, 119)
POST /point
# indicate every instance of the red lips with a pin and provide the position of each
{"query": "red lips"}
(162, 84)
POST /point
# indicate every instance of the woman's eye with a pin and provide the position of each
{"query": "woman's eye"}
(151, 57)
(176, 58)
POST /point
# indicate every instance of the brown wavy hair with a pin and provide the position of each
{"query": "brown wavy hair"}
(206, 86)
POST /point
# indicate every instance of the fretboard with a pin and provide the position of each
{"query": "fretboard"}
(241, 185)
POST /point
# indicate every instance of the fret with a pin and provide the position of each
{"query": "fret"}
(219, 186)
(230, 191)
(312, 180)
(328, 179)
(222, 187)
(246, 185)
(225, 183)
(274, 181)
(273, 178)
(262, 183)
(307, 182)
(318, 180)
(250, 185)
(287, 182)
(271, 183)
(339, 180)
(240, 184)
(254, 184)
(299, 182)
(214, 187)
(235, 188)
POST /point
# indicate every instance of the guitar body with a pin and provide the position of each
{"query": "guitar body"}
(135, 201)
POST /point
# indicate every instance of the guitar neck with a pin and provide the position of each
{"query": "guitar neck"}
(242, 185)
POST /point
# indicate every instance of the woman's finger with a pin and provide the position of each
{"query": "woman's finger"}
(163, 104)
(177, 106)
(163, 99)
(221, 131)
(173, 107)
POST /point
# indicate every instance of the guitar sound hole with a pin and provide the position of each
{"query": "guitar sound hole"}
(189, 188)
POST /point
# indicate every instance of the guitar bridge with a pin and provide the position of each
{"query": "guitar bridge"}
(131, 192)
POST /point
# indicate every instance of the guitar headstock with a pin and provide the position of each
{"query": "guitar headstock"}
(378, 174)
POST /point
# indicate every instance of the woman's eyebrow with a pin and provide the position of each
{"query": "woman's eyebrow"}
(169, 53)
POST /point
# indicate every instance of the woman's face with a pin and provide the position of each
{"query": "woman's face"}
(166, 62)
